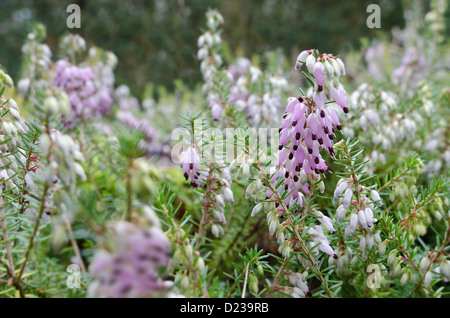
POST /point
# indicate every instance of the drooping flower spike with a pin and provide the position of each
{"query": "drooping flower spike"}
(309, 124)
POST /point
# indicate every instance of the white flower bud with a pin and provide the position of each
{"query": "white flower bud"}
(273, 226)
(337, 69)
(14, 114)
(362, 219)
(369, 241)
(427, 279)
(321, 186)
(341, 66)
(257, 209)
(44, 143)
(200, 265)
(376, 197)
(79, 171)
(424, 264)
(219, 200)
(228, 194)
(6, 129)
(382, 248)
(329, 69)
(353, 222)
(362, 244)
(215, 230)
(404, 279)
(347, 197)
(51, 106)
(326, 221)
(369, 216)
(310, 61)
(302, 56)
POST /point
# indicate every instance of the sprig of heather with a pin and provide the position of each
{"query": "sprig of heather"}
(188, 265)
(202, 163)
(417, 270)
(209, 46)
(435, 20)
(71, 46)
(361, 201)
(131, 116)
(309, 124)
(37, 60)
(383, 125)
(12, 125)
(87, 99)
(61, 162)
(437, 144)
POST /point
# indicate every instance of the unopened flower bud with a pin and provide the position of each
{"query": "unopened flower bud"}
(257, 209)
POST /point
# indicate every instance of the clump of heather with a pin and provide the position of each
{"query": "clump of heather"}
(211, 60)
(130, 115)
(202, 161)
(256, 93)
(37, 59)
(86, 98)
(353, 186)
(131, 268)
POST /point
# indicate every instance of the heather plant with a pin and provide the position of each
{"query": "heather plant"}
(264, 181)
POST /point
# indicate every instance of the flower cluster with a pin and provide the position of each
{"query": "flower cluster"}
(131, 116)
(438, 142)
(64, 159)
(384, 127)
(190, 162)
(71, 45)
(320, 241)
(209, 44)
(131, 269)
(300, 284)
(261, 105)
(38, 58)
(326, 69)
(413, 68)
(435, 19)
(87, 98)
(11, 127)
(362, 210)
(309, 124)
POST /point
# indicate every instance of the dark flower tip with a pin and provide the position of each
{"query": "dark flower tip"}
(335, 256)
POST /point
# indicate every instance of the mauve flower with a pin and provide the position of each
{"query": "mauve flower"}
(131, 269)
(88, 98)
(190, 162)
(340, 98)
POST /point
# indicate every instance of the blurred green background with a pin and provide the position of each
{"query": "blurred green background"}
(156, 40)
